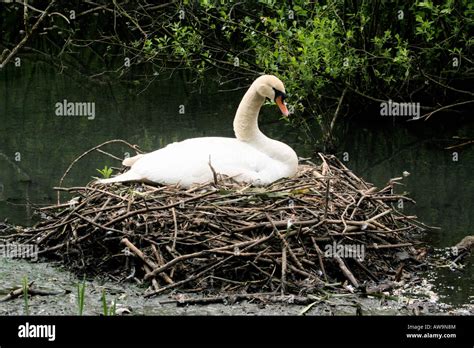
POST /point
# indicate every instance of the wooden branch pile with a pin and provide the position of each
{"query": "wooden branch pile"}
(226, 237)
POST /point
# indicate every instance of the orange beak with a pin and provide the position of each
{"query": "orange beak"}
(282, 106)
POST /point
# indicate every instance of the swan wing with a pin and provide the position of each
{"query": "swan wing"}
(188, 161)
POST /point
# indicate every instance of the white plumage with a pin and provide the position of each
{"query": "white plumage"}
(250, 157)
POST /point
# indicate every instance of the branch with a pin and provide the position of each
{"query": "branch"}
(445, 86)
(28, 34)
(336, 114)
(428, 115)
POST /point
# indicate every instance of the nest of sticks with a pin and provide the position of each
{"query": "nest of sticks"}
(294, 236)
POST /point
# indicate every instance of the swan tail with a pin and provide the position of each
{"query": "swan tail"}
(130, 161)
(128, 176)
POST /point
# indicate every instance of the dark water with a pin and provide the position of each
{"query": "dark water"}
(442, 187)
(36, 146)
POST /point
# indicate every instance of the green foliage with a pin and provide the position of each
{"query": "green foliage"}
(25, 295)
(381, 49)
(366, 50)
(81, 290)
(107, 310)
(106, 172)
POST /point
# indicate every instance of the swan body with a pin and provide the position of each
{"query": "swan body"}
(251, 157)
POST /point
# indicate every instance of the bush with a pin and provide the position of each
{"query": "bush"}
(334, 56)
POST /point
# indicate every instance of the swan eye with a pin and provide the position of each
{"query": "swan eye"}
(279, 94)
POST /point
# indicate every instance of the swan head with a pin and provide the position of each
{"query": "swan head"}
(271, 87)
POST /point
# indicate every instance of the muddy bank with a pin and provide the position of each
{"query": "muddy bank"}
(129, 298)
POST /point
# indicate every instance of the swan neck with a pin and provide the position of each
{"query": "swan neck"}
(246, 118)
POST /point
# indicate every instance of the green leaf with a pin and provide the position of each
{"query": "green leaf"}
(106, 172)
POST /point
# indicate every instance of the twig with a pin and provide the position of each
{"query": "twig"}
(429, 114)
(346, 271)
(27, 34)
(89, 151)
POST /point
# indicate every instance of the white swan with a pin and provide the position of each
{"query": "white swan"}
(252, 157)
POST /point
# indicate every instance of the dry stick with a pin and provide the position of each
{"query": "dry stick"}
(349, 172)
(306, 274)
(325, 170)
(362, 233)
(110, 155)
(283, 268)
(413, 220)
(315, 222)
(31, 291)
(388, 246)
(89, 151)
(399, 272)
(320, 257)
(195, 276)
(466, 244)
(38, 241)
(137, 252)
(173, 247)
(86, 189)
(296, 270)
(175, 254)
(354, 223)
(56, 206)
(262, 297)
(283, 240)
(276, 224)
(366, 270)
(187, 280)
(154, 282)
(100, 212)
(226, 252)
(92, 222)
(288, 188)
(342, 217)
(65, 220)
(42, 229)
(372, 219)
(148, 265)
(326, 203)
(78, 240)
(365, 194)
(214, 174)
(28, 34)
(16, 293)
(346, 271)
(159, 259)
(164, 207)
(392, 198)
(204, 252)
(270, 276)
(380, 225)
